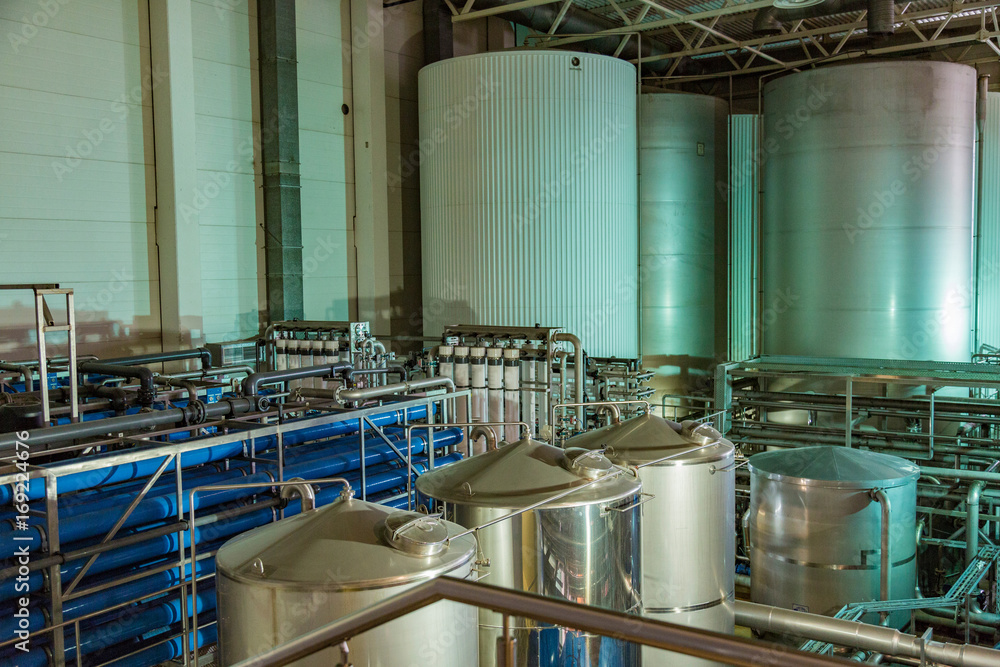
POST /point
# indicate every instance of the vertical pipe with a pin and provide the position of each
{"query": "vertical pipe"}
(464, 413)
(477, 379)
(982, 101)
(579, 375)
(544, 397)
(528, 394)
(885, 564)
(294, 358)
(494, 383)
(972, 516)
(281, 353)
(511, 392)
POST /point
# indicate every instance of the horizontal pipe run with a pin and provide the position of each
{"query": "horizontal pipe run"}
(991, 408)
(68, 432)
(201, 353)
(121, 473)
(147, 386)
(860, 635)
(252, 383)
(690, 641)
(354, 395)
(162, 507)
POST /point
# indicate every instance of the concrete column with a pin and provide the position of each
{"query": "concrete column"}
(371, 220)
(177, 211)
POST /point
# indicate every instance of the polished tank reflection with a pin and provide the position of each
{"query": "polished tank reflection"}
(282, 580)
(867, 211)
(688, 522)
(583, 548)
(815, 528)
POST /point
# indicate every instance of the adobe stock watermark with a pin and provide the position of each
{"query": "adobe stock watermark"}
(94, 137)
(590, 152)
(47, 10)
(786, 127)
(942, 321)
(454, 117)
(91, 308)
(883, 201)
(22, 553)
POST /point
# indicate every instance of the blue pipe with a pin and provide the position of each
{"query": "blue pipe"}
(120, 473)
(170, 650)
(159, 615)
(158, 508)
(379, 479)
(119, 626)
(75, 504)
(141, 553)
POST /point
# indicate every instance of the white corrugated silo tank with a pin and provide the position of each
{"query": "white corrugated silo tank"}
(682, 238)
(528, 195)
(867, 216)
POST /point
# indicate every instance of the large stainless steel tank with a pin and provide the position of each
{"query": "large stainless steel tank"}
(688, 527)
(279, 581)
(583, 547)
(815, 529)
(528, 194)
(867, 211)
(682, 236)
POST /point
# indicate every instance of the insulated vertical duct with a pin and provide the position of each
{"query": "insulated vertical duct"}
(682, 237)
(867, 211)
(279, 149)
(528, 195)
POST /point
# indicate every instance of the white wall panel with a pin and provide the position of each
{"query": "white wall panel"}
(226, 201)
(76, 192)
(326, 155)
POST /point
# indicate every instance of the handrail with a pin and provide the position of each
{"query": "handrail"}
(668, 636)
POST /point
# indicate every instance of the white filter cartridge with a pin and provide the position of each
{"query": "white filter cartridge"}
(511, 393)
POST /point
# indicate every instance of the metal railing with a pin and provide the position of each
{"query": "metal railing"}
(657, 634)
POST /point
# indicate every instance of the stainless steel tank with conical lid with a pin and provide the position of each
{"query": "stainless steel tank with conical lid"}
(581, 545)
(815, 528)
(688, 523)
(281, 580)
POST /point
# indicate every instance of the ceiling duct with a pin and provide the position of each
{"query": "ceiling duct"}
(770, 20)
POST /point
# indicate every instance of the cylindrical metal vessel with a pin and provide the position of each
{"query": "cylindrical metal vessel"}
(682, 236)
(815, 528)
(279, 581)
(688, 526)
(583, 547)
(528, 194)
(867, 211)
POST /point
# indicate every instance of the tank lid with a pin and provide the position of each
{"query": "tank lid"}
(834, 466)
(347, 545)
(417, 534)
(527, 472)
(650, 438)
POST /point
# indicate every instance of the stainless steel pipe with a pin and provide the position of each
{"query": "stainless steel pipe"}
(700, 643)
(861, 635)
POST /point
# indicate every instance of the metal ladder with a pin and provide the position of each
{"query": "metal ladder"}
(45, 325)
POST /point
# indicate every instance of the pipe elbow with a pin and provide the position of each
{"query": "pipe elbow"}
(765, 22)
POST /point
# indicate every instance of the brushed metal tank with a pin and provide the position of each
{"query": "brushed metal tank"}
(815, 531)
(279, 581)
(867, 211)
(682, 236)
(688, 527)
(583, 547)
(528, 192)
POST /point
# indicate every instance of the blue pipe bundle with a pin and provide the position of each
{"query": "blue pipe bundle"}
(97, 498)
